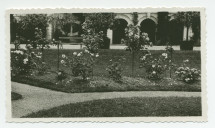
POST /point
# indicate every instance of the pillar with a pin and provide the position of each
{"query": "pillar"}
(190, 33)
(49, 31)
(110, 35)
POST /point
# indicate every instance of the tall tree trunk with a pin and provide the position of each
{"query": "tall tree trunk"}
(187, 33)
(170, 70)
(132, 65)
(42, 54)
(58, 57)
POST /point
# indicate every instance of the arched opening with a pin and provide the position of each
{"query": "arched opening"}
(175, 32)
(148, 26)
(119, 30)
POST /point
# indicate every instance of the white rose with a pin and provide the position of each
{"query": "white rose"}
(25, 60)
(186, 60)
(75, 53)
(147, 39)
(62, 61)
(79, 54)
(97, 55)
(63, 56)
(91, 54)
(153, 72)
(86, 51)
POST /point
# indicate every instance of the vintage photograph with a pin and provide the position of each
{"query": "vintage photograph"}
(106, 65)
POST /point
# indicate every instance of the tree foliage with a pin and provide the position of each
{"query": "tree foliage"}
(27, 24)
(187, 18)
(99, 21)
(190, 19)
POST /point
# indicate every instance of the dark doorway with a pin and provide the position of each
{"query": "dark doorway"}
(175, 32)
(148, 26)
(119, 31)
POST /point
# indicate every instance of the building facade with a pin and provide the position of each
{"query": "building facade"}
(153, 23)
(148, 22)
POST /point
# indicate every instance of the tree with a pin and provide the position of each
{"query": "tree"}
(27, 24)
(63, 21)
(134, 40)
(188, 19)
(99, 22)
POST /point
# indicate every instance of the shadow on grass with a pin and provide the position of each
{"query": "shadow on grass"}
(15, 96)
(127, 107)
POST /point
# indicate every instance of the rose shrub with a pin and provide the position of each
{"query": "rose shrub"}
(187, 74)
(80, 63)
(91, 39)
(61, 75)
(154, 66)
(26, 63)
(115, 70)
(134, 40)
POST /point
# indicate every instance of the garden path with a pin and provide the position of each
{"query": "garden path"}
(35, 98)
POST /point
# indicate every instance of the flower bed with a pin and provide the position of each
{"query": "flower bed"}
(100, 81)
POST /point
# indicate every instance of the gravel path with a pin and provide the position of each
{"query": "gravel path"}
(35, 98)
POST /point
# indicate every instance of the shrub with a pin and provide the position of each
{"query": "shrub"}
(27, 23)
(135, 41)
(170, 51)
(21, 63)
(80, 63)
(61, 75)
(187, 74)
(115, 70)
(154, 66)
(27, 63)
(92, 40)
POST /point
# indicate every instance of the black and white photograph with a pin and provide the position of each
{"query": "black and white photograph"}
(106, 65)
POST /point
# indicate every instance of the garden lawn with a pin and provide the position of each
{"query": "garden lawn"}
(127, 107)
(103, 60)
(100, 81)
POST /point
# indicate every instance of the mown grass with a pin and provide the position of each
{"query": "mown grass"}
(100, 81)
(102, 61)
(127, 107)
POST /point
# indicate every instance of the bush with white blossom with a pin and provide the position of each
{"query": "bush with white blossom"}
(135, 41)
(80, 63)
(24, 62)
(187, 74)
(91, 39)
(154, 66)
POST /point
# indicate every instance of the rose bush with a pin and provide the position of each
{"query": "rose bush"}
(155, 66)
(80, 63)
(187, 74)
(26, 63)
(91, 39)
(115, 69)
(135, 41)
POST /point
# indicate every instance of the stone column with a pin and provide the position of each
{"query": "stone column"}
(110, 35)
(185, 33)
(190, 33)
(49, 31)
